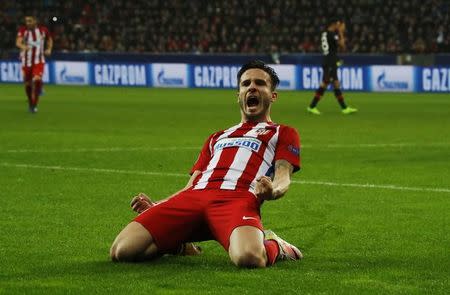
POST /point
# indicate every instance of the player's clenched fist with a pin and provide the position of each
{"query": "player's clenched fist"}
(264, 189)
(141, 202)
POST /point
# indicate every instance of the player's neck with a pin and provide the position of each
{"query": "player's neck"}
(261, 119)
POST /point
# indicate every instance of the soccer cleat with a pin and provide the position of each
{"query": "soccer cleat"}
(314, 111)
(189, 249)
(33, 110)
(287, 251)
(349, 110)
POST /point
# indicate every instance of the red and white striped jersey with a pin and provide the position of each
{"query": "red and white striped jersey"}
(234, 158)
(35, 39)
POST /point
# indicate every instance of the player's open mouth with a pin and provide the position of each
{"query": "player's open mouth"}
(252, 101)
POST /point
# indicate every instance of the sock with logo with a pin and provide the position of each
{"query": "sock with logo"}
(340, 98)
(272, 251)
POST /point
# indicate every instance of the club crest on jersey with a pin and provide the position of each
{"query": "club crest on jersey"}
(262, 131)
(252, 144)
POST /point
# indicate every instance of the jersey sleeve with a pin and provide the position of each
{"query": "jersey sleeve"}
(203, 157)
(288, 147)
(21, 32)
(46, 32)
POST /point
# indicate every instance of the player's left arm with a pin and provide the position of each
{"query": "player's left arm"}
(268, 189)
(287, 161)
(49, 43)
(282, 178)
(341, 41)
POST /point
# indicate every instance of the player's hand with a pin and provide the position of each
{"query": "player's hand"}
(48, 52)
(141, 202)
(264, 188)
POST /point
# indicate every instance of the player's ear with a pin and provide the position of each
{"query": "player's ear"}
(274, 96)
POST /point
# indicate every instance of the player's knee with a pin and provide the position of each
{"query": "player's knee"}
(120, 252)
(250, 258)
(37, 78)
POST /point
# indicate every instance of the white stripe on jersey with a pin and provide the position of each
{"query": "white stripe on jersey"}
(240, 159)
(269, 155)
(203, 181)
(37, 53)
(29, 52)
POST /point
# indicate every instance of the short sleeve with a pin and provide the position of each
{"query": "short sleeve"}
(204, 157)
(46, 32)
(21, 32)
(288, 147)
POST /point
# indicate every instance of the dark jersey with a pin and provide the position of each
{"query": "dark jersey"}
(329, 45)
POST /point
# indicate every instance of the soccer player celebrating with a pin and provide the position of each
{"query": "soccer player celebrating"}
(237, 170)
(30, 40)
(331, 39)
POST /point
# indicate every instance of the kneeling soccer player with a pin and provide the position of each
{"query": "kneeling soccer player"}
(228, 184)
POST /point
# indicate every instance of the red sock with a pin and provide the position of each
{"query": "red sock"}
(272, 251)
(37, 91)
(28, 92)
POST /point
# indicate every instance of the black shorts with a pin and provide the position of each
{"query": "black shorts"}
(329, 72)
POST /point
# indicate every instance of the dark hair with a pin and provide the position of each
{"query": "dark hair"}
(257, 64)
(333, 20)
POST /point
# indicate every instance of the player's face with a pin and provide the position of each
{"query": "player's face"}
(255, 94)
(30, 22)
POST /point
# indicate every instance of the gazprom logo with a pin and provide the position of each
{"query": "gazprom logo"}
(168, 81)
(383, 83)
(252, 144)
(64, 77)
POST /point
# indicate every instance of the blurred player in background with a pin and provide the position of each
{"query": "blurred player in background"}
(331, 40)
(31, 40)
(237, 170)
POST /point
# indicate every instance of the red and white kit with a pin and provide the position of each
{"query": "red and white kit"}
(222, 196)
(33, 58)
(235, 158)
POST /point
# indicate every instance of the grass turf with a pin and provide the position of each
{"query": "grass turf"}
(57, 223)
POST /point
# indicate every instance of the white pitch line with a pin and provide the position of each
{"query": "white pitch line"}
(86, 169)
(380, 145)
(379, 186)
(110, 149)
(174, 148)
(137, 172)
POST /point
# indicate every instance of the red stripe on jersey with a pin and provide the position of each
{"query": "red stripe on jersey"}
(255, 160)
(225, 160)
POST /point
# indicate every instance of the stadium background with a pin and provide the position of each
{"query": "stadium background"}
(369, 208)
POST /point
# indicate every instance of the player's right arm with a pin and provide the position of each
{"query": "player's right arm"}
(20, 41)
(142, 202)
(20, 44)
(341, 30)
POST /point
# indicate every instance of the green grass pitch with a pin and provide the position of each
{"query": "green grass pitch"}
(370, 208)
